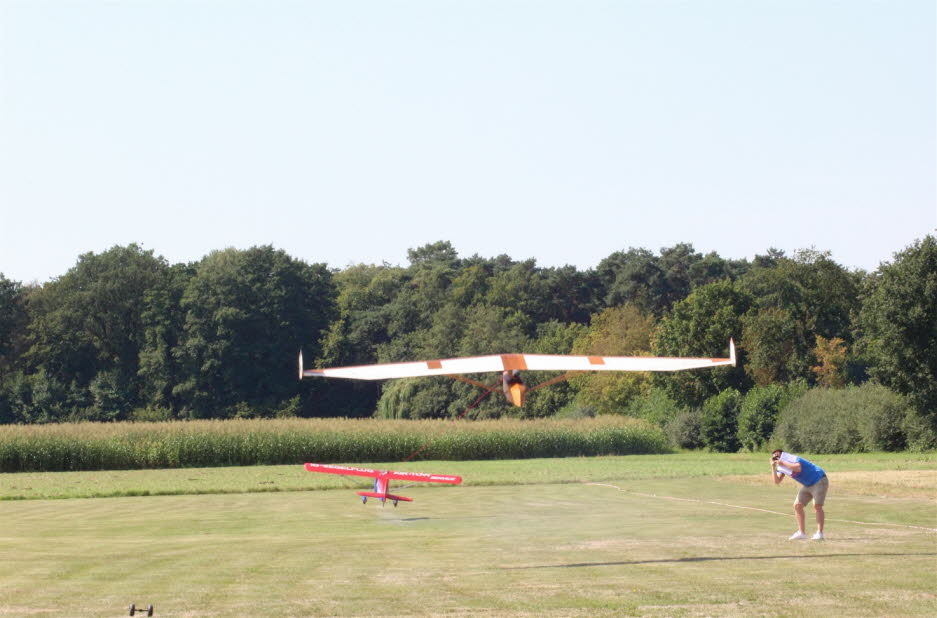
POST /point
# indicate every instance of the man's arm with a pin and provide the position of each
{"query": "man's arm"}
(776, 476)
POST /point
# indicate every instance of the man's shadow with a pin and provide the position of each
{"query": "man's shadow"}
(576, 565)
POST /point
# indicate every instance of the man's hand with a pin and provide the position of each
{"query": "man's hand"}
(776, 476)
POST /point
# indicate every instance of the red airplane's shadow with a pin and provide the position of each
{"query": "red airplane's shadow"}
(442, 518)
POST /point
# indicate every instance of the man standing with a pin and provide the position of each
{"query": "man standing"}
(815, 484)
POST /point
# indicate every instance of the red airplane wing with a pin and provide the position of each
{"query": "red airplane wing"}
(330, 469)
(423, 477)
(398, 476)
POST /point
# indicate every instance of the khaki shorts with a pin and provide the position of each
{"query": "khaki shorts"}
(817, 492)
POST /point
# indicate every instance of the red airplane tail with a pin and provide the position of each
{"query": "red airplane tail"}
(382, 497)
(373, 494)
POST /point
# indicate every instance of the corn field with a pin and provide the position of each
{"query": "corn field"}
(210, 443)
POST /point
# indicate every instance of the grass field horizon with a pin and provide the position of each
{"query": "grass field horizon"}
(685, 534)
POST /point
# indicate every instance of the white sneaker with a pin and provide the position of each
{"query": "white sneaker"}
(798, 536)
(818, 536)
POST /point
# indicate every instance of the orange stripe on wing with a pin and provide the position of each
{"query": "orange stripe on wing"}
(596, 360)
(434, 364)
(513, 361)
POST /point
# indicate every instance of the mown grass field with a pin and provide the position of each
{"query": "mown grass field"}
(685, 534)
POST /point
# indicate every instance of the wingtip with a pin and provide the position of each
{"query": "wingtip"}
(300, 364)
(732, 351)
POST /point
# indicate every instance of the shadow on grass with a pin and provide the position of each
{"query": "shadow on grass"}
(408, 519)
(577, 565)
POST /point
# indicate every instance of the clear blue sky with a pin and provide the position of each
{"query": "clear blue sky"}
(350, 131)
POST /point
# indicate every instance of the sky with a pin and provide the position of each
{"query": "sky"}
(348, 132)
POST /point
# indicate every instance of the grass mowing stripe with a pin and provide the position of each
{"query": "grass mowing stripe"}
(753, 508)
(862, 471)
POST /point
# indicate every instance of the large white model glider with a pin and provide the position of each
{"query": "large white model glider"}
(510, 366)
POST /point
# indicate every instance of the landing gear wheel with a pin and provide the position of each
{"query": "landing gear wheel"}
(364, 499)
(395, 503)
(133, 608)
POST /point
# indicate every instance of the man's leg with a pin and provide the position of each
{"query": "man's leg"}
(799, 514)
(819, 499)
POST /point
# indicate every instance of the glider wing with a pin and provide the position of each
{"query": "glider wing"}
(523, 362)
(475, 364)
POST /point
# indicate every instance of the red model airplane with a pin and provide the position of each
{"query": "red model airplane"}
(382, 480)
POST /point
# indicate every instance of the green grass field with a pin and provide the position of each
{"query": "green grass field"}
(687, 534)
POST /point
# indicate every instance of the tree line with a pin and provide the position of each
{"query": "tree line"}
(126, 335)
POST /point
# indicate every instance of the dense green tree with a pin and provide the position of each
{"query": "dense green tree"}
(677, 264)
(795, 300)
(440, 252)
(366, 294)
(654, 283)
(89, 321)
(771, 337)
(701, 325)
(898, 322)
(616, 331)
(13, 321)
(163, 321)
(246, 314)
(470, 286)
(40, 397)
(365, 303)
(523, 288)
(711, 268)
(635, 277)
(571, 295)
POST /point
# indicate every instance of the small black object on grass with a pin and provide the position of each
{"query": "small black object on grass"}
(133, 609)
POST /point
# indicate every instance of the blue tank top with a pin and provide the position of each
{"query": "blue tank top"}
(810, 473)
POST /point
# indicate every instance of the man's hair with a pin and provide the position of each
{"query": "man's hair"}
(776, 452)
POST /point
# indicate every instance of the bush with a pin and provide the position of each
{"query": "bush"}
(575, 410)
(919, 432)
(854, 419)
(719, 421)
(153, 414)
(882, 417)
(657, 407)
(758, 415)
(683, 430)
